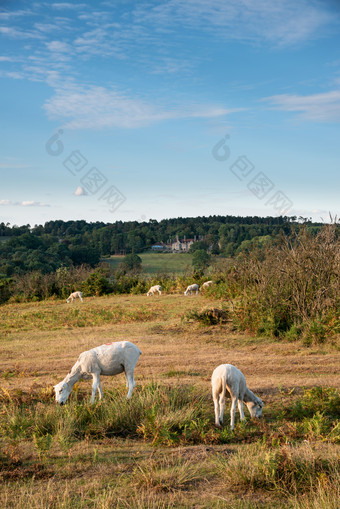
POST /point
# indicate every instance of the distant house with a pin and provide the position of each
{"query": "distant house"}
(182, 245)
(178, 246)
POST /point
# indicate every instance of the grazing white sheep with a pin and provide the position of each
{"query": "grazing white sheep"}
(109, 359)
(154, 289)
(191, 288)
(74, 296)
(206, 284)
(228, 377)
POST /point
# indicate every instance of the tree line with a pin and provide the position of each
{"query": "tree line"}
(73, 243)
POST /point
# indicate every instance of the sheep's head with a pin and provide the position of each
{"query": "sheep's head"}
(255, 408)
(62, 392)
(67, 300)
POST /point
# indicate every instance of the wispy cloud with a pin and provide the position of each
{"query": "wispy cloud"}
(283, 22)
(99, 107)
(15, 33)
(323, 107)
(137, 35)
(67, 5)
(58, 46)
(26, 203)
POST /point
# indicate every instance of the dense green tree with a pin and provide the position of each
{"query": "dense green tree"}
(200, 259)
(80, 255)
(131, 262)
(199, 245)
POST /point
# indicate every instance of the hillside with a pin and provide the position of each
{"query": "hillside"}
(161, 448)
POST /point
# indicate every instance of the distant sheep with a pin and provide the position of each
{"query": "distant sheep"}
(74, 296)
(207, 284)
(154, 289)
(109, 359)
(191, 288)
(228, 377)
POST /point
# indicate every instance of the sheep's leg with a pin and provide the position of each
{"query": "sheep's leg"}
(222, 406)
(215, 395)
(240, 409)
(217, 412)
(95, 386)
(232, 412)
(130, 383)
(100, 390)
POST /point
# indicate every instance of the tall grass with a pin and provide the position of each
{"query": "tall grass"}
(286, 470)
(163, 415)
(63, 443)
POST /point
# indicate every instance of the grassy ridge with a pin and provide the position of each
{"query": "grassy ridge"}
(56, 315)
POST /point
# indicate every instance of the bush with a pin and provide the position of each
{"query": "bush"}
(131, 262)
(207, 316)
(96, 284)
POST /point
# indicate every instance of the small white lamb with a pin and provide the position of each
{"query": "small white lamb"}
(108, 359)
(207, 284)
(228, 377)
(191, 288)
(74, 296)
(154, 289)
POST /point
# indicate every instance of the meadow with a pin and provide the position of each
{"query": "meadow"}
(161, 449)
(152, 263)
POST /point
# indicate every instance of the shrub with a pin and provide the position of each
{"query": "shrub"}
(207, 316)
(96, 284)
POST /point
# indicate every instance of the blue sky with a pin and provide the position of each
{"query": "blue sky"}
(119, 110)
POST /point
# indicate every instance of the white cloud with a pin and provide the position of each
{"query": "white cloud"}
(31, 203)
(80, 191)
(98, 107)
(67, 5)
(26, 203)
(19, 34)
(282, 22)
(58, 46)
(323, 107)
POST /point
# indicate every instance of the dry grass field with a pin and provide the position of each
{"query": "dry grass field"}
(128, 454)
